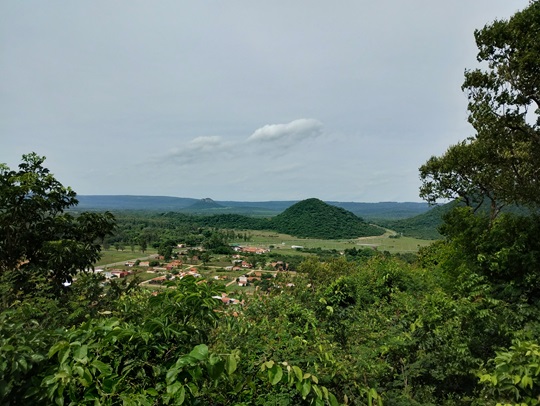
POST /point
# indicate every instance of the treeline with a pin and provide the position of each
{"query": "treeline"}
(145, 229)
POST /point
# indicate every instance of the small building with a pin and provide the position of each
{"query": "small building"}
(119, 273)
(242, 281)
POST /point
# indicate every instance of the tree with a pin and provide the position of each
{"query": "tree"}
(143, 244)
(165, 249)
(500, 162)
(39, 241)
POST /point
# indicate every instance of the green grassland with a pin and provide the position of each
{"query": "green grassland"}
(111, 256)
(284, 242)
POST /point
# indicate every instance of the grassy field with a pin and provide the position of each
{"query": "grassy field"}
(112, 256)
(284, 242)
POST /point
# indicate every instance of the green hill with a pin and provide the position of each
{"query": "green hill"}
(423, 226)
(314, 218)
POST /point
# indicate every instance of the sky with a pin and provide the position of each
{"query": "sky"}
(238, 100)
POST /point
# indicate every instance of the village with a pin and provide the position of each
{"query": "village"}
(240, 273)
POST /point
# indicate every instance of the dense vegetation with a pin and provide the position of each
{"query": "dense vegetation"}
(458, 326)
(424, 225)
(316, 219)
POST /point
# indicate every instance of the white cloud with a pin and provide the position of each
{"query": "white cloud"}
(294, 131)
(205, 143)
(197, 148)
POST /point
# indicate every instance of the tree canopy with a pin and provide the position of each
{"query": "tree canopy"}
(499, 163)
(38, 238)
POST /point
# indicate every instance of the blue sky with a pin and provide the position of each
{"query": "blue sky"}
(238, 100)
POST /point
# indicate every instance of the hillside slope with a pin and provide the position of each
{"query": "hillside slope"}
(316, 219)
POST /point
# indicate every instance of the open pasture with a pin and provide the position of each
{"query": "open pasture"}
(284, 243)
(112, 256)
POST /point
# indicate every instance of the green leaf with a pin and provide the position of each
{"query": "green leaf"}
(526, 381)
(332, 399)
(267, 364)
(306, 388)
(298, 373)
(230, 364)
(317, 391)
(103, 368)
(200, 352)
(181, 395)
(171, 375)
(275, 374)
(175, 387)
(193, 389)
(152, 392)
(63, 354)
(325, 391)
(81, 353)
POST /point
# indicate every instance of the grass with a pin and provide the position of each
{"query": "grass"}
(283, 242)
(112, 256)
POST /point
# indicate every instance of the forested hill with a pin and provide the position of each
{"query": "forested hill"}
(384, 210)
(317, 219)
(424, 225)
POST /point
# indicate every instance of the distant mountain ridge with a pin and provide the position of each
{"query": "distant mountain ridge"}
(369, 211)
(204, 204)
(132, 202)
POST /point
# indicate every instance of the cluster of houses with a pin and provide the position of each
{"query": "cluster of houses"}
(250, 250)
(227, 300)
(245, 280)
(113, 273)
(169, 277)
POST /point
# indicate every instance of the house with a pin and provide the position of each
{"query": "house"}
(158, 281)
(118, 273)
(242, 281)
(173, 264)
(226, 300)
